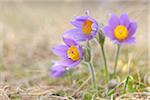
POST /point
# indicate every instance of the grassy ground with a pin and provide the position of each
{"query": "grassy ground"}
(29, 30)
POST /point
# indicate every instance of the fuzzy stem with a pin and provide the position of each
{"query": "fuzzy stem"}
(92, 72)
(71, 77)
(116, 59)
(105, 64)
(91, 67)
(101, 40)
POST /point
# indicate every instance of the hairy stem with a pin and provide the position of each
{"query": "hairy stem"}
(70, 76)
(116, 59)
(91, 67)
(105, 64)
(92, 72)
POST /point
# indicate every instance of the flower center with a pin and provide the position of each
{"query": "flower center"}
(73, 53)
(87, 27)
(121, 32)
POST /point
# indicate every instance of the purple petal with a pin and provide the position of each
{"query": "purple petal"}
(76, 34)
(92, 19)
(95, 27)
(69, 42)
(124, 20)
(60, 50)
(65, 62)
(130, 40)
(108, 32)
(68, 62)
(75, 63)
(57, 71)
(132, 28)
(114, 21)
(81, 18)
(78, 22)
(117, 42)
(80, 51)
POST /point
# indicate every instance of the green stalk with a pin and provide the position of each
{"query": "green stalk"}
(126, 83)
(70, 76)
(92, 72)
(116, 59)
(105, 64)
(91, 67)
(101, 40)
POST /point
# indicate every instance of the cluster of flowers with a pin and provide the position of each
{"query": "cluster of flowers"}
(119, 31)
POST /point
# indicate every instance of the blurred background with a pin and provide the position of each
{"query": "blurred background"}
(29, 29)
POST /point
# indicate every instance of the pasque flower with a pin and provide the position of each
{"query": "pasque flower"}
(71, 55)
(120, 30)
(85, 28)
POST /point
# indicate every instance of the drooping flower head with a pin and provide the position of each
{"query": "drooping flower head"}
(85, 28)
(120, 30)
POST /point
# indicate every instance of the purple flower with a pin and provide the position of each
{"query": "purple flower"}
(71, 53)
(57, 71)
(86, 28)
(120, 30)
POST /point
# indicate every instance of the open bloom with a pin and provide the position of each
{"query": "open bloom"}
(86, 28)
(71, 53)
(120, 30)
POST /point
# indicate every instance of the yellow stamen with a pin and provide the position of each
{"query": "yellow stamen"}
(121, 32)
(73, 53)
(87, 27)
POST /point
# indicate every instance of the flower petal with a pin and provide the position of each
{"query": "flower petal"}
(117, 42)
(68, 62)
(130, 40)
(108, 32)
(114, 21)
(124, 20)
(78, 22)
(132, 28)
(95, 27)
(75, 63)
(80, 51)
(81, 18)
(76, 34)
(60, 50)
(69, 42)
(57, 71)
